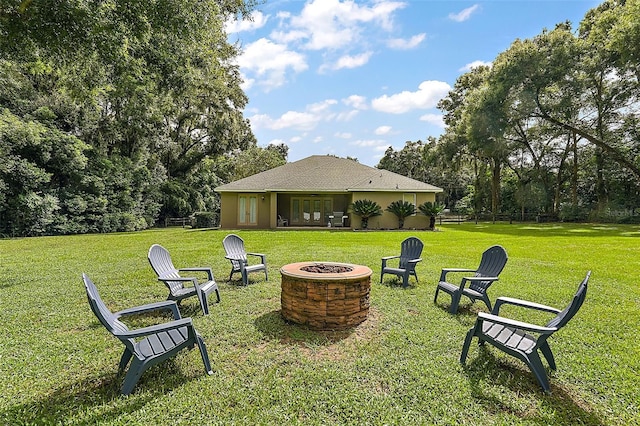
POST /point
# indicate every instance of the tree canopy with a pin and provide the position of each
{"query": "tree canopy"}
(118, 110)
(551, 127)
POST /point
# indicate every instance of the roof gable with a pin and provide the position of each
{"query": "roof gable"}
(325, 173)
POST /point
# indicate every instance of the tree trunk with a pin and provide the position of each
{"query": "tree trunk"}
(495, 187)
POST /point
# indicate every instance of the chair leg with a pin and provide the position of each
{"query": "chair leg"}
(202, 298)
(133, 375)
(465, 346)
(204, 302)
(455, 301)
(486, 301)
(204, 354)
(548, 355)
(381, 275)
(535, 365)
(405, 280)
(124, 360)
(435, 298)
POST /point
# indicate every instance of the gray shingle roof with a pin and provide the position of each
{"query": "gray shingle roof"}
(324, 173)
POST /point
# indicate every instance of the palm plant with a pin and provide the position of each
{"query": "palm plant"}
(402, 209)
(431, 210)
(365, 209)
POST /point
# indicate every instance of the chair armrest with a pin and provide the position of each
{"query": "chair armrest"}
(157, 306)
(390, 257)
(193, 280)
(516, 324)
(153, 329)
(445, 271)
(235, 258)
(414, 260)
(260, 255)
(387, 258)
(481, 278)
(199, 269)
(179, 279)
(522, 303)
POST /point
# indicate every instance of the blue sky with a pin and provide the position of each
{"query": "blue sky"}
(351, 78)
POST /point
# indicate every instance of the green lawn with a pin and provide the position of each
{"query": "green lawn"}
(58, 364)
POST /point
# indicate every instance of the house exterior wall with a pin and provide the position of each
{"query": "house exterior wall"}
(388, 220)
(269, 205)
(229, 211)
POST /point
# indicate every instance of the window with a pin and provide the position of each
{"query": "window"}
(411, 198)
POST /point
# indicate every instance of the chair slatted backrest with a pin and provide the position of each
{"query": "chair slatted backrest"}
(567, 313)
(410, 249)
(100, 310)
(492, 263)
(162, 265)
(234, 246)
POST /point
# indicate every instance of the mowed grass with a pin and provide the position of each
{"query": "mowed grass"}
(59, 365)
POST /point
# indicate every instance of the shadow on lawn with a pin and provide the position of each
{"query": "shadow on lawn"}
(275, 327)
(95, 399)
(555, 230)
(487, 375)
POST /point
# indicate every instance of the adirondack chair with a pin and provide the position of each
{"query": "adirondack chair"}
(410, 251)
(237, 255)
(523, 340)
(492, 263)
(162, 265)
(150, 345)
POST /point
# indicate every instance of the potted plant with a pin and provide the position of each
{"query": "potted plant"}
(431, 210)
(365, 209)
(402, 209)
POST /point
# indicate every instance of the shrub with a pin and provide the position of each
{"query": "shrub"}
(205, 220)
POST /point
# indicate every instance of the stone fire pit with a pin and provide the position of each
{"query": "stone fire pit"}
(325, 295)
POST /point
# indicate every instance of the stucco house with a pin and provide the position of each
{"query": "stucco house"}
(317, 192)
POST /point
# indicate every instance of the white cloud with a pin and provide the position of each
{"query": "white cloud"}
(356, 101)
(382, 130)
(404, 44)
(318, 139)
(270, 61)
(427, 96)
(247, 83)
(288, 36)
(464, 14)
(321, 107)
(303, 121)
(331, 24)
(369, 143)
(346, 115)
(348, 61)
(258, 20)
(276, 142)
(290, 119)
(475, 64)
(296, 120)
(295, 139)
(435, 119)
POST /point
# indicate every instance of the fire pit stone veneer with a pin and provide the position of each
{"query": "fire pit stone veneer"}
(325, 295)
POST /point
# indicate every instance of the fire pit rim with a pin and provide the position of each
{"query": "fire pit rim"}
(294, 270)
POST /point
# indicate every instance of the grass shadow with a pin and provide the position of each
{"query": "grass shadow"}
(95, 399)
(275, 327)
(486, 368)
(554, 230)
(396, 282)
